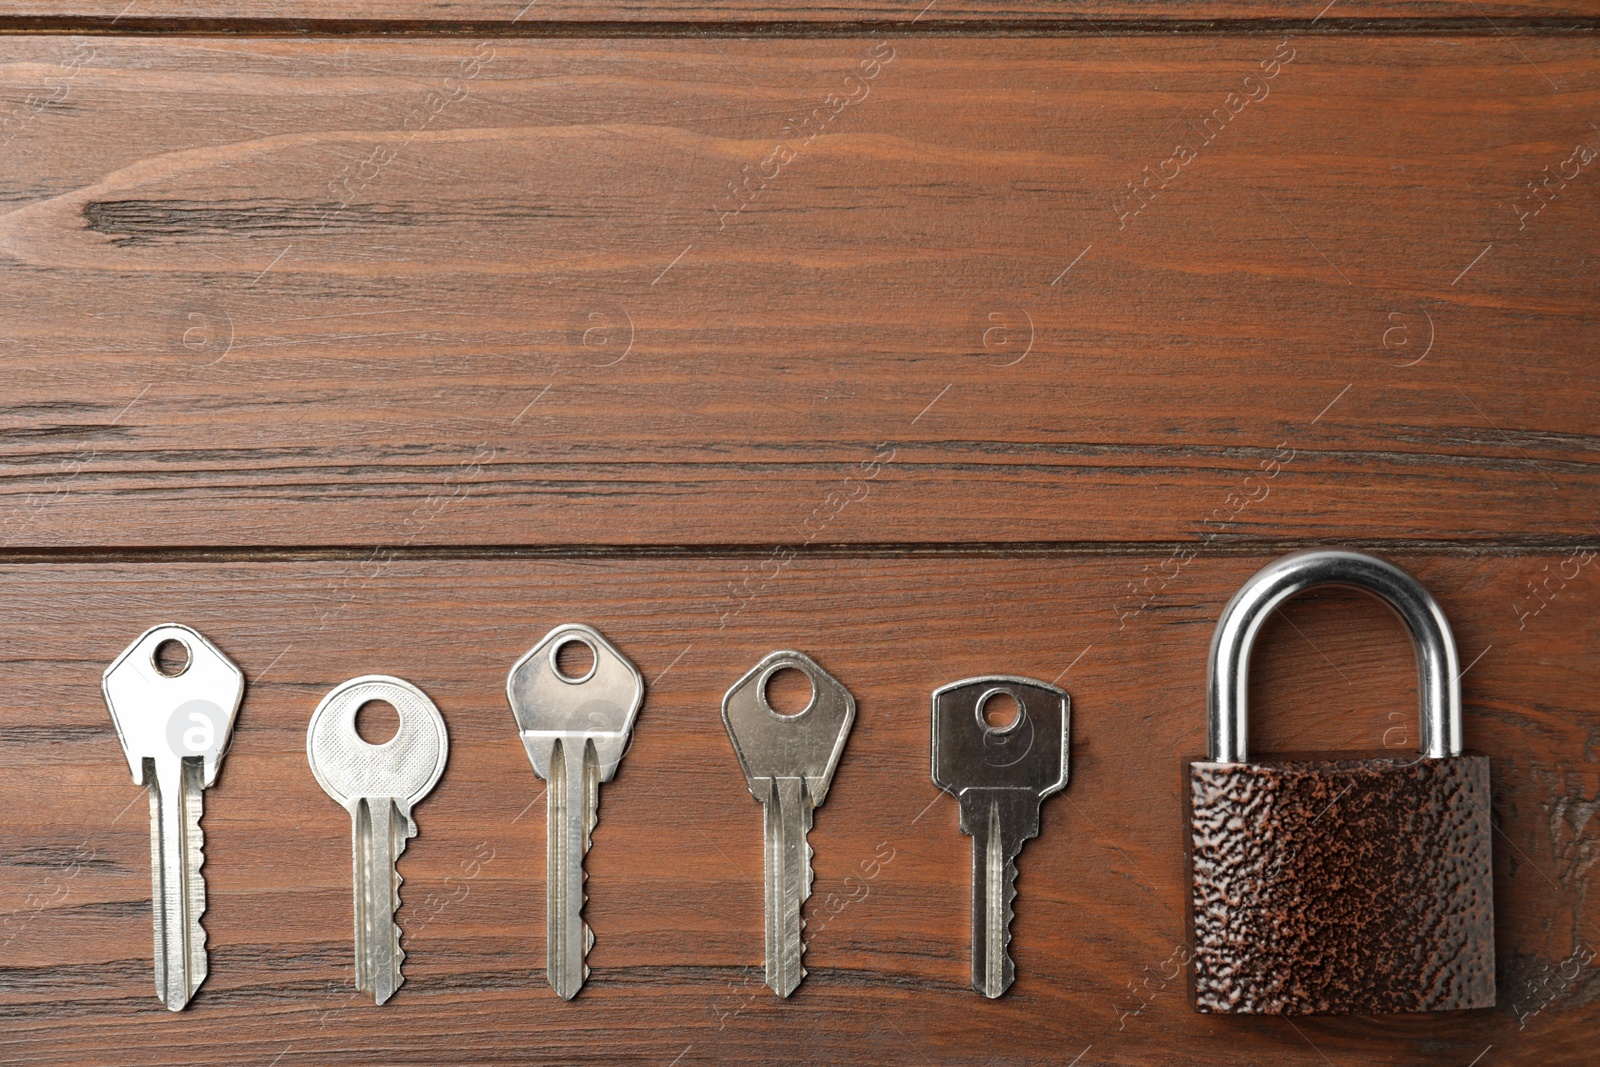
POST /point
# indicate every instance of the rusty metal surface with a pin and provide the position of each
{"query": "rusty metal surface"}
(1342, 883)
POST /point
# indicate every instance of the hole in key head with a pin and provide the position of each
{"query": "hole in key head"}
(171, 658)
(788, 691)
(377, 722)
(574, 660)
(998, 710)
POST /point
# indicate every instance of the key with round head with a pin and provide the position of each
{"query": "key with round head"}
(175, 723)
(378, 785)
(576, 730)
(1000, 772)
(788, 763)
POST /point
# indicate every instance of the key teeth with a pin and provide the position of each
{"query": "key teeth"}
(398, 933)
(806, 883)
(563, 791)
(197, 898)
(588, 943)
(809, 812)
(805, 895)
(811, 874)
(400, 952)
(408, 830)
(583, 901)
(172, 989)
(1008, 894)
(1008, 880)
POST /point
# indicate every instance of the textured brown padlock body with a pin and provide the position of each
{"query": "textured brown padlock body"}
(1341, 883)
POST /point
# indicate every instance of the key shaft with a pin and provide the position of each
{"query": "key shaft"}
(573, 800)
(999, 822)
(380, 832)
(178, 891)
(786, 820)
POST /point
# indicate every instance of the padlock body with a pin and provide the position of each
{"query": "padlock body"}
(1340, 883)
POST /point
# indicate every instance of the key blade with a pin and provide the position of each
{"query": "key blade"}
(786, 823)
(573, 809)
(380, 829)
(999, 821)
(178, 891)
(994, 876)
(187, 715)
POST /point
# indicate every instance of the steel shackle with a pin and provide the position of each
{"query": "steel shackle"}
(1228, 673)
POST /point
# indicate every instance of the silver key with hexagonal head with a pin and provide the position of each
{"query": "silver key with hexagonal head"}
(576, 731)
(788, 763)
(378, 785)
(1000, 773)
(175, 727)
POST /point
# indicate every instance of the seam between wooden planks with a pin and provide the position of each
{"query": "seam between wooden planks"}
(1240, 546)
(1078, 26)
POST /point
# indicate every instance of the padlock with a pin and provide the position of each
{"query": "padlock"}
(1338, 882)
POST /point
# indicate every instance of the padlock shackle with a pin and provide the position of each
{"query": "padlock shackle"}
(1228, 675)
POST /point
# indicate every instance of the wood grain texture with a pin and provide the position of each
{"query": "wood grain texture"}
(514, 292)
(308, 17)
(675, 872)
(577, 329)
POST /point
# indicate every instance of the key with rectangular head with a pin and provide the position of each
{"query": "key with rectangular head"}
(378, 785)
(576, 731)
(1000, 773)
(788, 763)
(175, 724)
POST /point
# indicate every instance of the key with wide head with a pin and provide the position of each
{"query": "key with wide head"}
(576, 731)
(1000, 772)
(175, 723)
(788, 763)
(378, 785)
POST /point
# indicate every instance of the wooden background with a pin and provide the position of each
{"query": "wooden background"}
(380, 337)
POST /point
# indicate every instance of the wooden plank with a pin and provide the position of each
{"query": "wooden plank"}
(343, 292)
(675, 870)
(304, 16)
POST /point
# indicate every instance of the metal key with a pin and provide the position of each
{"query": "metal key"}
(378, 785)
(788, 762)
(174, 729)
(576, 731)
(1000, 774)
